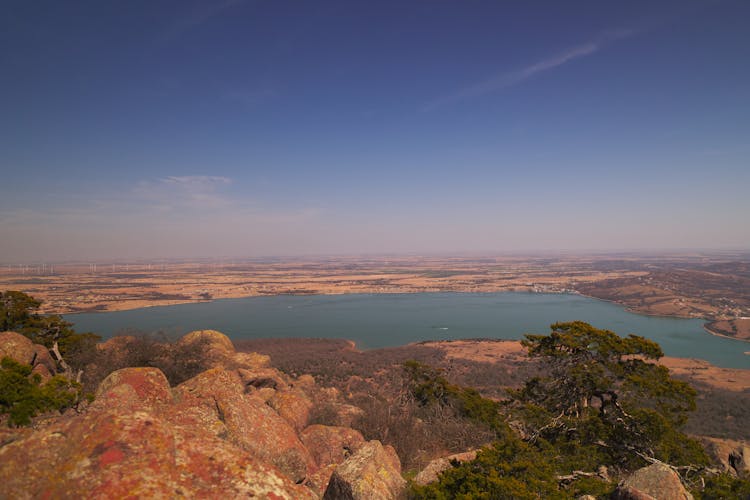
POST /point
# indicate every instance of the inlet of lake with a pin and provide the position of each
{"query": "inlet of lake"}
(384, 320)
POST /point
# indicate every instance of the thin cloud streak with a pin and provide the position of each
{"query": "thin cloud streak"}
(509, 79)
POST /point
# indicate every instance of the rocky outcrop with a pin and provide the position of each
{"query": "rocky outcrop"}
(331, 445)
(216, 343)
(292, 405)
(132, 389)
(16, 346)
(238, 429)
(655, 482)
(23, 350)
(373, 472)
(732, 456)
(433, 469)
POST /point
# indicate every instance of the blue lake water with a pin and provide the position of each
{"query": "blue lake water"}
(382, 320)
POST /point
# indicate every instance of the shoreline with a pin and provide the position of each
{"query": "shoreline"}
(705, 327)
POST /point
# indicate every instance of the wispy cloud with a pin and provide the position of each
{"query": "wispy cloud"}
(184, 192)
(197, 181)
(508, 79)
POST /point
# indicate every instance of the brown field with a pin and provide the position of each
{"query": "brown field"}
(73, 288)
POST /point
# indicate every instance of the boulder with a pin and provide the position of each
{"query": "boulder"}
(433, 469)
(261, 378)
(212, 467)
(109, 454)
(293, 406)
(331, 445)
(247, 421)
(255, 427)
(733, 456)
(18, 347)
(318, 480)
(655, 482)
(132, 388)
(217, 346)
(347, 414)
(251, 360)
(42, 371)
(106, 454)
(44, 358)
(373, 472)
(305, 382)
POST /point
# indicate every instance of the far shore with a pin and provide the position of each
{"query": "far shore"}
(705, 327)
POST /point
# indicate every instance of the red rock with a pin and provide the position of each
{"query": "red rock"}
(218, 347)
(16, 346)
(260, 430)
(373, 472)
(262, 378)
(249, 422)
(733, 456)
(331, 445)
(42, 371)
(111, 455)
(293, 406)
(133, 388)
(347, 414)
(44, 358)
(251, 360)
(433, 469)
(656, 481)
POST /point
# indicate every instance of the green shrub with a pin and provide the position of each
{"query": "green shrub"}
(23, 396)
(725, 486)
(510, 469)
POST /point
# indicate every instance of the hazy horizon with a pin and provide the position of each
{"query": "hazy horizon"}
(189, 129)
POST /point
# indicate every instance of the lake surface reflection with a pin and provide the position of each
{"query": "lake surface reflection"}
(381, 320)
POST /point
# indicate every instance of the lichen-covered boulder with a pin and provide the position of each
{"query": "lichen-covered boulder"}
(212, 383)
(373, 472)
(293, 406)
(655, 482)
(133, 388)
(110, 454)
(250, 423)
(331, 445)
(251, 360)
(347, 414)
(262, 378)
(433, 469)
(102, 455)
(215, 345)
(255, 427)
(16, 346)
(213, 467)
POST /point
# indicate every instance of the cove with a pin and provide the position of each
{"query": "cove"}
(384, 320)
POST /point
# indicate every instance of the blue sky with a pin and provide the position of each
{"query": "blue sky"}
(255, 128)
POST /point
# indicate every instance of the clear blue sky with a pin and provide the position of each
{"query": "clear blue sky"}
(248, 128)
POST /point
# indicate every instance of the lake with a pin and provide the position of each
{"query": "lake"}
(382, 320)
